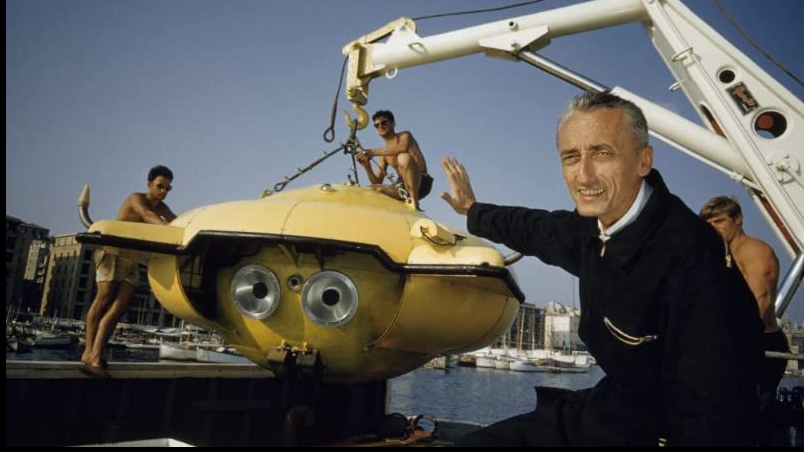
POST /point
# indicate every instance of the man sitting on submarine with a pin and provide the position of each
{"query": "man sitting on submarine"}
(402, 152)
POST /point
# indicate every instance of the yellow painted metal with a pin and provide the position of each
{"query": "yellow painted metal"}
(169, 235)
(433, 233)
(450, 314)
(164, 278)
(455, 255)
(151, 233)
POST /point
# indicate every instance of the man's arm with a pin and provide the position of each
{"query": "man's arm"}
(166, 213)
(760, 269)
(377, 178)
(141, 207)
(405, 141)
(550, 236)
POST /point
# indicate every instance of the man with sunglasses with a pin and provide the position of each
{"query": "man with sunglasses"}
(117, 270)
(402, 152)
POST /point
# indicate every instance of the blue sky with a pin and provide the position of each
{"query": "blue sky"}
(234, 95)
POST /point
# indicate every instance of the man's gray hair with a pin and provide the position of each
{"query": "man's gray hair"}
(604, 101)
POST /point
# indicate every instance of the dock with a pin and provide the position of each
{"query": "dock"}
(55, 404)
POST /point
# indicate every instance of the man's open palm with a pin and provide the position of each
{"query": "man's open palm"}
(462, 196)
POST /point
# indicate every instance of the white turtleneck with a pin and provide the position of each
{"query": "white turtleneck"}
(645, 190)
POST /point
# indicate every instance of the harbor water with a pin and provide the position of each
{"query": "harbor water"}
(478, 395)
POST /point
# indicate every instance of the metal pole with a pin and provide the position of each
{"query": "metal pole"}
(783, 355)
(559, 71)
(789, 285)
(587, 84)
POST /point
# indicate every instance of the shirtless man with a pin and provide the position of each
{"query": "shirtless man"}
(402, 152)
(760, 268)
(117, 270)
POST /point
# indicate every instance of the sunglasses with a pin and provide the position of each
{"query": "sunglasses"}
(383, 123)
(164, 187)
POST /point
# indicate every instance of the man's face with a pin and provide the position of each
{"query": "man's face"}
(725, 225)
(159, 187)
(602, 167)
(384, 126)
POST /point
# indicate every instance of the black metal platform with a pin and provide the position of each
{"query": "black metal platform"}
(54, 404)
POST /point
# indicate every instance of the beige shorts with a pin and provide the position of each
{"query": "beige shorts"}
(110, 267)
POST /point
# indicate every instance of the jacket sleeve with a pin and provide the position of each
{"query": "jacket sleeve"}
(546, 235)
(711, 352)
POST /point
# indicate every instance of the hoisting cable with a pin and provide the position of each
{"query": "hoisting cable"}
(299, 171)
(477, 11)
(754, 43)
(354, 145)
(349, 147)
(329, 133)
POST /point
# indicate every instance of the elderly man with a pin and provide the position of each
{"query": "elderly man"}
(675, 330)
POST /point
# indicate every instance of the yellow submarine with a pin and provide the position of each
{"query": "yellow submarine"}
(335, 281)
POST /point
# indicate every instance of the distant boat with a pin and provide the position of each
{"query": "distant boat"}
(144, 345)
(502, 364)
(220, 355)
(440, 362)
(44, 339)
(523, 365)
(485, 362)
(467, 361)
(19, 345)
(177, 352)
(572, 363)
(560, 360)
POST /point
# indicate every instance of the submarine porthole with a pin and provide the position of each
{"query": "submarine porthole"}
(329, 298)
(256, 291)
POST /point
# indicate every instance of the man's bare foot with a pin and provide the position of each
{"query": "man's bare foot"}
(99, 363)
(93, 371)
(92, 361)
(415, 204)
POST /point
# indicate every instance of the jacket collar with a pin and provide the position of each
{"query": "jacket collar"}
(606, 233)
(626, 244)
